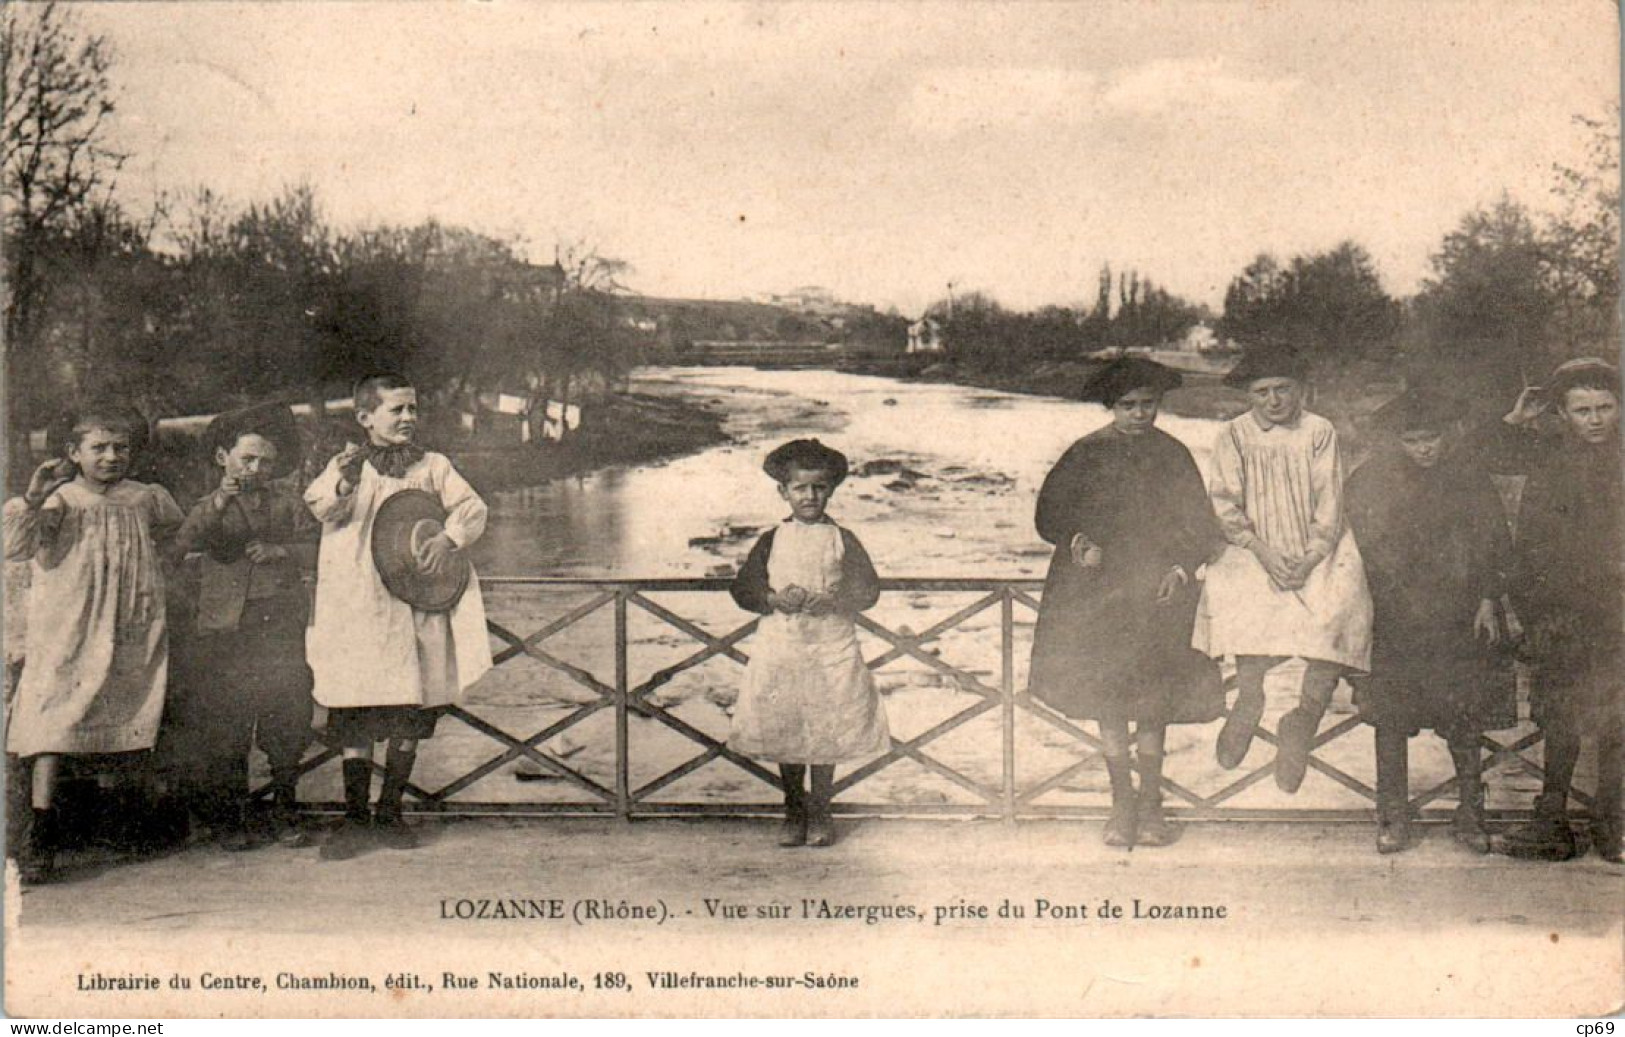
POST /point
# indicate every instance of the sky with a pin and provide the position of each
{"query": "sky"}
(879, 150)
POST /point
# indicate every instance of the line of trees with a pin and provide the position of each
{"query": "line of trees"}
(981, 333)
(198, 304)
(1510, 294)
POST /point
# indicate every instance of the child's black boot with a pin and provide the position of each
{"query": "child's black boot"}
(1152, 827)
(1236, 736)
(820, 826)
(1295, 734)
(1467, 826)
(1548, 836)
(1124, 818)
(793, 832)
(391, 826)
(1393, 790)
(1608, 824)
(353, 836)
(286, 827)
(32, 845)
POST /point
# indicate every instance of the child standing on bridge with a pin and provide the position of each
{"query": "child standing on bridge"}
(383, 667)
(98, 651)
(809, 701)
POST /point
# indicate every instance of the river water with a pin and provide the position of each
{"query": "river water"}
(955, 476)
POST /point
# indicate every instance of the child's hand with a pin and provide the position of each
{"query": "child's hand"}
(1300, 570)
(261, 553)
(1173, 581)
(820, 604)
(350, 460)
(47, 479)
(435, 556)
(791, 599)
(1085, 555)
(1530, 405)
(1279, 569)
(1484, 624)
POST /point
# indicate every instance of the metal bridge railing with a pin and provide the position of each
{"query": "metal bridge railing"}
(1002, 609)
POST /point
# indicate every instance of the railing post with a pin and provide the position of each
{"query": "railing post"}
(623, 757)
(1007, 691)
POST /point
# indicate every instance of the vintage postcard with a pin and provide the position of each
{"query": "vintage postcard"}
(812, 510)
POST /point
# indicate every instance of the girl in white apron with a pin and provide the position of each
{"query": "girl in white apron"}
(809, 701)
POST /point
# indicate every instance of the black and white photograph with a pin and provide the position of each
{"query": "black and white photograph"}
(527, 509)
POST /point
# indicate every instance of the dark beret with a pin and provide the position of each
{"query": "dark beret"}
(1267, 362)
(808, 455)
(1417, 410)
(273, 421)
(1125, 374)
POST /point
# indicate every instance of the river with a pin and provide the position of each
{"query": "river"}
(945, 479)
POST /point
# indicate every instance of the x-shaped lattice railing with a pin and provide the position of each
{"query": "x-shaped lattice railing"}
(1006, 797)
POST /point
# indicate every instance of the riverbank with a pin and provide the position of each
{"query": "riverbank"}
(623, 429)
(1346, 397)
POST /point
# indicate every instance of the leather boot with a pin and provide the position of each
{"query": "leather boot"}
(388, 822)
(1467, 826)
(28, 831)
(1236, 736)
(1548, 836)
(34, 846)
(353, 836)
(1295, 733)
(1152, 827)
(1121, 825)
(1608, 826)
(793, 832)
(1393, 790)
(820, 826)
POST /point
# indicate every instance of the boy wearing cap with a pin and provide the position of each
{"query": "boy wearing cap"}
(1567, 589)
(1436, 546)
(248, 678)
(384, 668)
(1289, 582)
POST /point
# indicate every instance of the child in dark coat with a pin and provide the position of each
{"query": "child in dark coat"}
(249, 678)
(1437, 548)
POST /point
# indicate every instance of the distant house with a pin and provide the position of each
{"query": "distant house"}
(506, 418)
(1205, 339)
(925, 336)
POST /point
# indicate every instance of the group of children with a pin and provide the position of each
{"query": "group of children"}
(1405, 580)
(257, 656)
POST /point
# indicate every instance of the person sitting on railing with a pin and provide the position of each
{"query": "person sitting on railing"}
(808, 698)
(384, 668)
(1436, 546)
(1130, 521)
(1290, 582)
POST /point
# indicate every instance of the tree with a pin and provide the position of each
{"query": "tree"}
(1487, 308)
(55, 164)
(1330, 305)
(1582, 244)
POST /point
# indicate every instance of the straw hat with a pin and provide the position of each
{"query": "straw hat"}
(404, 522)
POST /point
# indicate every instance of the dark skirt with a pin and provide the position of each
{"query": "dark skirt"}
(1449, 684)
(363, 725)
(1581, 692)
(1105, 650)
